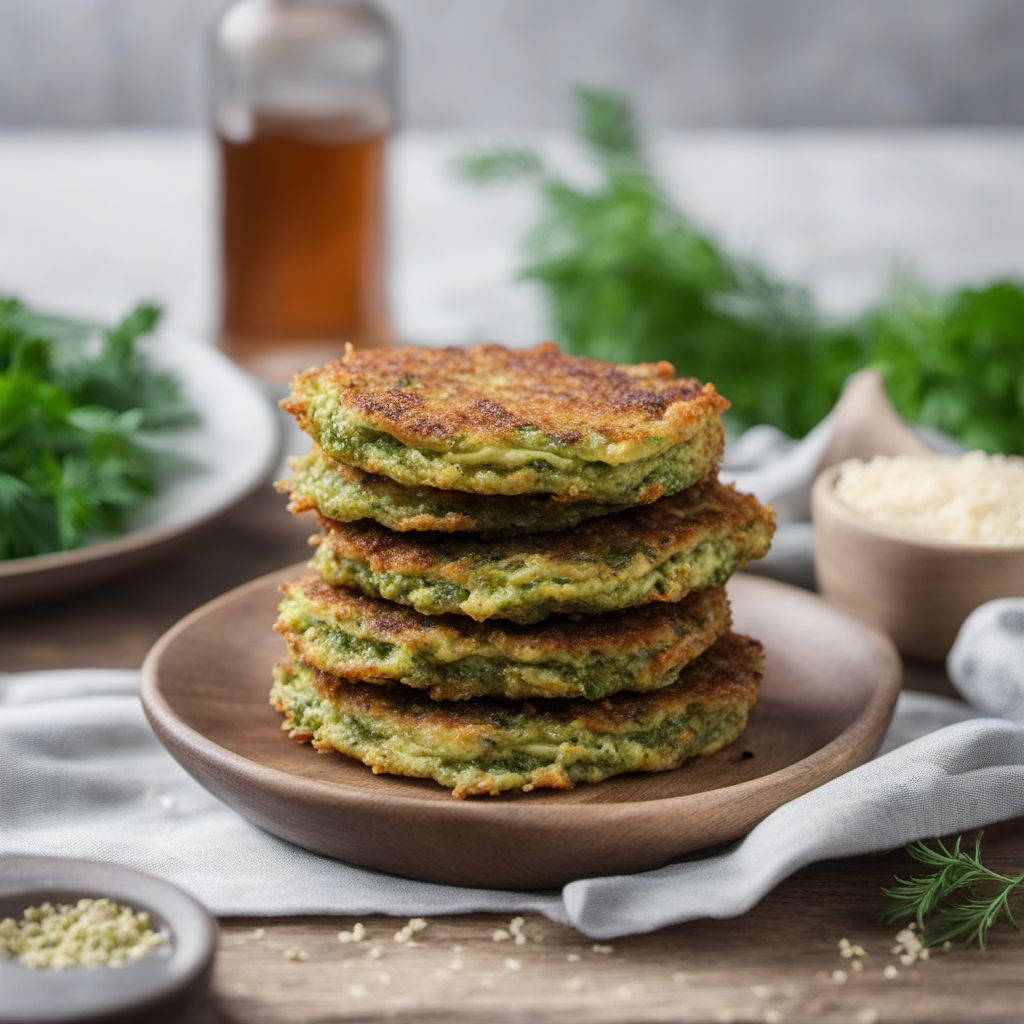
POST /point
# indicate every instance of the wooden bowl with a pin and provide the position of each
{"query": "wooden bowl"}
(918, 591)
(828, 693)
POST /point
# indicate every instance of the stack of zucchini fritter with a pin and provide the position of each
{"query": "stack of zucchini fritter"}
(519, 579)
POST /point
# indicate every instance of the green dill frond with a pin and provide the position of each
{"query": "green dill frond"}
(500, 164)
(959, 900)
(607, 125)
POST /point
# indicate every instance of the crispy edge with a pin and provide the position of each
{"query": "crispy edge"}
(431, 397)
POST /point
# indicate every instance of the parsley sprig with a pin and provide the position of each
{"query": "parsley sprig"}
(76, 406)
(626, 274)
(958, 900)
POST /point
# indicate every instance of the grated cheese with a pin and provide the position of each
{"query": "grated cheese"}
(967, 499)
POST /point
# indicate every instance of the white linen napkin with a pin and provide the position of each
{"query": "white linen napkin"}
(82, 775)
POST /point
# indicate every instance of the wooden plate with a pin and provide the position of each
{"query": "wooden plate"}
(826, 701)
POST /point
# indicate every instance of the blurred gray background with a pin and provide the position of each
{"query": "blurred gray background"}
(508, 63)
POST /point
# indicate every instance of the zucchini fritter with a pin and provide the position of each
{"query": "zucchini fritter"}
(493, 420)
(488, 746)
(346, 494)
(659, 552)
(361, 638)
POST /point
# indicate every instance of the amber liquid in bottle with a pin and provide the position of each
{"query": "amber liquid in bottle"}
(303, 242)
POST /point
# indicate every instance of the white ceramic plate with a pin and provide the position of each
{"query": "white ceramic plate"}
(225, 456)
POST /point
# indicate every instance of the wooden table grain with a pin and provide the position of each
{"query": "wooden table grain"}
(778, 963)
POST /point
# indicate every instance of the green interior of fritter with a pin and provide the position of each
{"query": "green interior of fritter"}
(316, 478)
(550, 468)
(454, 675)
(509, 757)
(527, 591)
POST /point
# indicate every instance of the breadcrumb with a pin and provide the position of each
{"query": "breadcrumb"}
(357, 934)
(412, 928)
(909, 947)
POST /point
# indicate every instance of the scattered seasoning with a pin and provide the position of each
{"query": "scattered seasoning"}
(90, 932)
(604, 950)
(573, 958)
(513, 965)
(258, 933)
(374, 953)
(357, 934)
(412, 928)
(850, 949)
(839, 977)
(295, 954)
(515, 929)
(890, 971)
(164, 801)
(857, 965)
(500, 935)
(909, 947)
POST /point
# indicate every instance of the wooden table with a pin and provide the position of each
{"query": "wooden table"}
(775, 964)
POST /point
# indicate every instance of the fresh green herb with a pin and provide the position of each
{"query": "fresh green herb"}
(75, 404)
(625, 274)
(959, 900)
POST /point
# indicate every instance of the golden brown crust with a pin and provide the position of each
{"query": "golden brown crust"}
(669, 524)
(633, 629)
(433, 396)
(729, 673)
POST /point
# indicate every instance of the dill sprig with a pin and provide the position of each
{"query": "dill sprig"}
(959, 900)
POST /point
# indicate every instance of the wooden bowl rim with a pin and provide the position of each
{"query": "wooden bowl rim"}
(165, 721)
(824, 498)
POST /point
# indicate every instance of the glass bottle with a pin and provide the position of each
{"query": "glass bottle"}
(303, 106)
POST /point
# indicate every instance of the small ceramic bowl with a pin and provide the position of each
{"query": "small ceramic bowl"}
(163, 987)
(918, 591)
